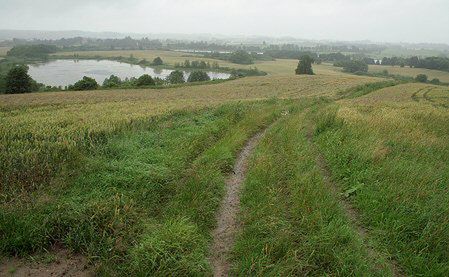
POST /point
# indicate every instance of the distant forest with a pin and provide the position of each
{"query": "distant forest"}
(128, 43)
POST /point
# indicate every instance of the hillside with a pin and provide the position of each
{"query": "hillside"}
(343, 175)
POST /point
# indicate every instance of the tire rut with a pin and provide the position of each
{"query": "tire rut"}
(227, 223)
(349, 210)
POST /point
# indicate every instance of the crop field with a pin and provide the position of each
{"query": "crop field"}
(411, 72)
(350, 177)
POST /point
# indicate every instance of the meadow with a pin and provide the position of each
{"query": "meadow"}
(349, 180)
(411, 72)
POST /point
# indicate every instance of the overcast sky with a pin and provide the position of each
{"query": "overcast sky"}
(376, 20)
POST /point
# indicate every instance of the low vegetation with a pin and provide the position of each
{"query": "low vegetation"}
(142, 200)
(388, 152)
(293, 225)
(353, 66)
(350, 178)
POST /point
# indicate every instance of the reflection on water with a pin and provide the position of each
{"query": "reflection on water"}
(66, 72)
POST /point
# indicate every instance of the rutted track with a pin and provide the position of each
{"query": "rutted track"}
(350, 211)
(227, 224)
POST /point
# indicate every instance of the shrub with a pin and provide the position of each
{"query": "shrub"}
(356, 66)
(85, 84)
(435, 81)
(176, 77)
(18, 81)
(112, 81)
(422, 78)
(145, 80)
(198, 76)
(241, 57)
(158, 61)
(238, 73)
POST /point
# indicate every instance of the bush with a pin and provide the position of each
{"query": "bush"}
(85, 84)
(158, 61)
(356, 66)
(435, 81)
(239, 73)
(112, 81)
(176, 77)
(422, 78)
(241, 57)
(198, 76)
(18, 81)
(145, 80)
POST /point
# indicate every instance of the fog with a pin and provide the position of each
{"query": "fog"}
(375, 20)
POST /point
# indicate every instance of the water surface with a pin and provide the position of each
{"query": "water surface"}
(66, 72)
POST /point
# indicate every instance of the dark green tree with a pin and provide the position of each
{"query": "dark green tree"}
(176, 77)
(198, 76)
(422, 78)
(145, 80)
(85, 84)
(112, 82)
(435, 81)
(18, 81)
(158, 61)
(356, 66)
(241, 57)
(305, 65)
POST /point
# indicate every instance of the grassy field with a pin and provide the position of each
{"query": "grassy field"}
(132, 179)
(278, 67)
(3, 51)
(403, 52)
(389, 151)
(411, 72)
(387, 155)
(293, 224)
(156, 184)
(41, 130)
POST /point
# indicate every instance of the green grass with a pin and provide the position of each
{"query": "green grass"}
(393, 158)
(161, 184)
(132, 179)
(365, 89)
(292, 223)
(443, 76)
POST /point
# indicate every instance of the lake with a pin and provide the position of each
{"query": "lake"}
(67, 72)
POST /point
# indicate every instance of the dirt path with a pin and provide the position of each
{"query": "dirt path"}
(350, 211)
(227, 225)
(63, 264)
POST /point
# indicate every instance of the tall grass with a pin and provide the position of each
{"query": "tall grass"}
(292, 224)
(41, 133)
(143, 202)
(394, 157)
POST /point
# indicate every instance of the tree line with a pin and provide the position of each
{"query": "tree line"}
(128, 43)
(436, 63)
(17, 80)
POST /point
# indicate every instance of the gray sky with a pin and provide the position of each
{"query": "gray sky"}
(376, 20)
